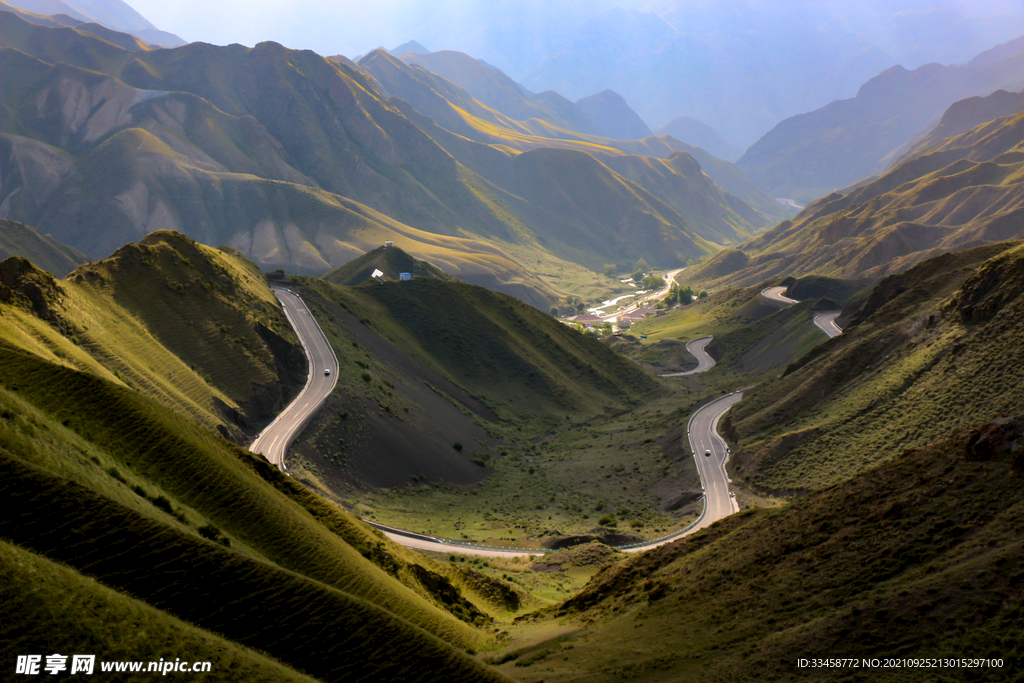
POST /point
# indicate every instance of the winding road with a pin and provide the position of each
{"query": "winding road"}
(775, 296)
(701, 430)
(273, 442)
(697, 350)
(826, 322)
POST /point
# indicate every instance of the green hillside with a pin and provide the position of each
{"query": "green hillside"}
(443, 390)
(193, 327)
(180, 519)
(916, 559)
(960, 192)
(520, 361)
(927, 352)
(391, 261)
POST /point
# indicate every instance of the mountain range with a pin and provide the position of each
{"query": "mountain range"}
(303, 162)
(950, 194)
(722, 63)
(876, 474)
(810, 155)
(97, 15)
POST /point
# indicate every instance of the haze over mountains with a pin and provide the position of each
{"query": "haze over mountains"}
(112, 14)
(950, 194)
(807, 156)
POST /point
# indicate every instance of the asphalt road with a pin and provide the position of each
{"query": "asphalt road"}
(826, 322)
(273, 442)
(702, 432)
(774, 295)
(704, 361)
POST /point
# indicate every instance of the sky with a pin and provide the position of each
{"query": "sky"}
(349, 28)
(353, 28)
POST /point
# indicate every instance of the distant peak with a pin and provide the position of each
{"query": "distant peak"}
(409, 46)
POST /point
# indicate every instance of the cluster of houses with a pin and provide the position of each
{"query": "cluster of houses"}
(623, 321)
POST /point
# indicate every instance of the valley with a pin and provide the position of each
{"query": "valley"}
(702, 364)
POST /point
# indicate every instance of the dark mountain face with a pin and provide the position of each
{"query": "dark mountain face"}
(609, 111)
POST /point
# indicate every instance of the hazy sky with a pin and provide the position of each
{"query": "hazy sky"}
(484, 28)
(346, 27)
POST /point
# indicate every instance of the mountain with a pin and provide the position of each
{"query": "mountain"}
(682, 186)
(895, 560)
(965, 115)
(142, 517)
(199, 138)
(904, 438)
(810, 155)
(961, 192)
(193, 327)
(610, 113)
(496, 90)
(699, 134)
(390, 260)
(746, 66)
(18, 239)
(431, 362)
(112, 14)
(409, 46)
(927, 352)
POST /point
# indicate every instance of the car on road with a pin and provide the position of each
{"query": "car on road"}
(707, 454)
(327, 371)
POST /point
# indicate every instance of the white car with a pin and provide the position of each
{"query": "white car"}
(327, 371)
(707, 454)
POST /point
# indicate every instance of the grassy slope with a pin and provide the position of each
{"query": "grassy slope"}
(194, 327)
(147, 482)
(918, 558)
(960, 192)
(910, 367)
(17, 239)
(487, 343)
(429, 364)
(58, 607)
(751, 336)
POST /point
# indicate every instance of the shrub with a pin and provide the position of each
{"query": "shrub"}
(366, 377)
(608, 520)
(214, 534)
